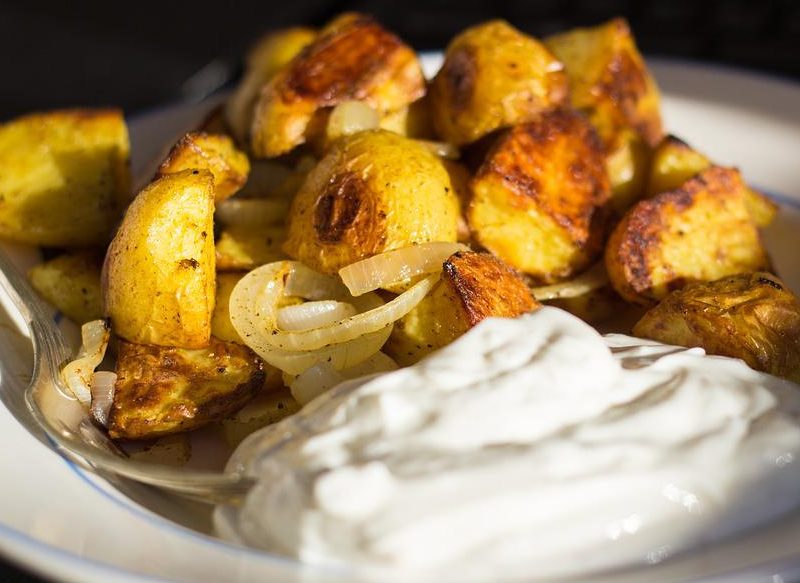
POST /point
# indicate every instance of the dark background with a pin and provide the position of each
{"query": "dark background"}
(139, 55)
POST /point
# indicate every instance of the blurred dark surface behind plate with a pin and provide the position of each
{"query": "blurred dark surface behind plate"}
(140, 54)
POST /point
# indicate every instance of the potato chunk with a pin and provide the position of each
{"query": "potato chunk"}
(213, 152)
(752, 316)
(493, 77)
(353, 58)
(608, 79)
(674, 162)
(375, 191)
(699, 232)
(64, 177)
(159, 273)
(271, 53)
(162, 390)
(473, 286)
(242, 247)
(71, 283)
(539, 198)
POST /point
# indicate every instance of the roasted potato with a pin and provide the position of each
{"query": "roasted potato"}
(699, 232)
(213, 152)
(595, 307)
(265, 409)
(353, 58)
(628, 164)
(266, 58)
(493, 77)
(674, 162)
(71, 283)
(64, 177)
(161, 390)
(242, 248)
(539, 199)
(375, 191)
(473, 286)
(752, 316)
(221, 326)
(159, 273)
(608, 79)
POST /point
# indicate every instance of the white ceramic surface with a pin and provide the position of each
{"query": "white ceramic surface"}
(58, 521)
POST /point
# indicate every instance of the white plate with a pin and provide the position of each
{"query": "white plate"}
(58, 521)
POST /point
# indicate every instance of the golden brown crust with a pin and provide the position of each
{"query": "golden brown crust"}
(752, 316)
(700, 231)
(353, 58)
(163, 390)
(543, 180)
(487, 287)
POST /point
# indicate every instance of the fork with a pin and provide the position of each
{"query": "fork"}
(68, 429)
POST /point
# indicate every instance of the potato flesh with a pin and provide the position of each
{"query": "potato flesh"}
(493, 77)
(539, 199)
(473, 286)
(245, 247)
(353, 58)
(752, 316)
(64, 177)
(608, 79)
(162, 390)
(699, 232)
(71, 283)
(159, 273)
(213, 152)
(373, 192)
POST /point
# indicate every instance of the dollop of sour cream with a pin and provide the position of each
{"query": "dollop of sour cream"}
(528, 446)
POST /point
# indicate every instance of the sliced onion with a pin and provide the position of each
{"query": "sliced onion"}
(252, 212)
(102, 388)
(313, 314)
(395, 267)
(311, 383)
(595, 277)
(77, 374)
(441, 149)
(351, 117)
(304, 282)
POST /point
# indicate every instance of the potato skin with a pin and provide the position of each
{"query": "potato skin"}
(539, 199)
(162, 390)
(493, 76)
(473, 286)
(373, 192)
(271, 53)
(64, 177)
(752, 316)
(674, 162)
(71, 283)
(159, 274)
(213, 152)
(608, 79)
(699, 232)
(353, 58)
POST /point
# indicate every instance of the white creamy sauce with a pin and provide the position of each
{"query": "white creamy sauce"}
(528, 446)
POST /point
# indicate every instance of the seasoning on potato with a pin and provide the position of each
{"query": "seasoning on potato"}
(493, 76)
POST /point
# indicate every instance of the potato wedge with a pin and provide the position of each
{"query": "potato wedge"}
(674, 162)
(752, 316)
(159, 273)
(493, 76)
(272, 52)
(221, 326)
(64, 177)
(473, 286)
(162, 390)
(375, 191)
(701, 231)
(609, 80)
(353, 58)
(539, 199)
(628, 164)
(213, 152)
(71, 283)
(242, 248)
